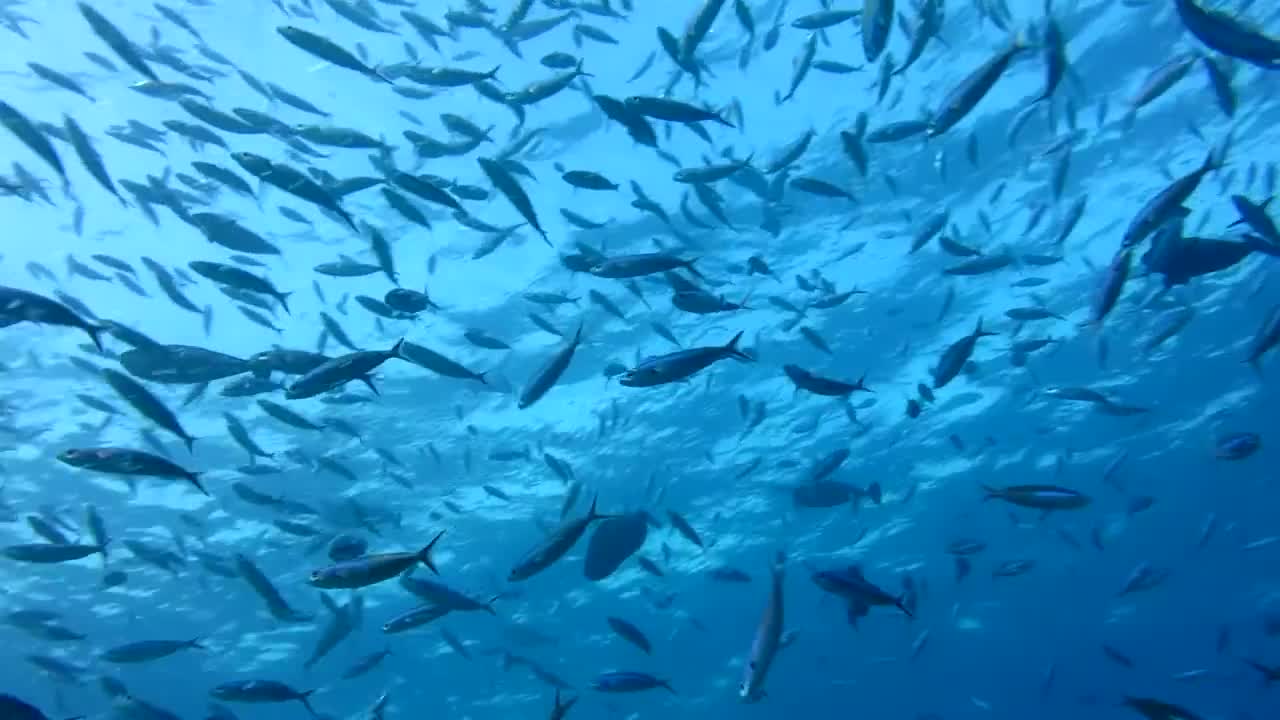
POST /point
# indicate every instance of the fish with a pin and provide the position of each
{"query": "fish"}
(628, 681)
(339, 371)
(956, 356)
(679, 365)
(549, 374)
(148, 650)
(767, 639)
(124, 461)
(1040, 497)
(23, 306)
(629, 632)
(147, 404)
(1229, 35)
(554, 546)
(372, 569)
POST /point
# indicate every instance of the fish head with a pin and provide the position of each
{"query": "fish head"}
(325, 577)
(795, 372)
(640, 377)
(836, 582)
(748, 691)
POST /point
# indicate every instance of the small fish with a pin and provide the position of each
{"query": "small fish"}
(1040, 497)
(1237, 445)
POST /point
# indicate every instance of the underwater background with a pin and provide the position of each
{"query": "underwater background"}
(1071, 516)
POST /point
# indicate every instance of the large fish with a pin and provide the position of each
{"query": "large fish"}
(768, 638)
(554, 546)
(679, 365)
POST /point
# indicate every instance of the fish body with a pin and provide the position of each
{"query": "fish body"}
(819, 385)
(851, 585)
(23, 306)
(148, 650)
(260, 691)
(122, 461)
(554, 546)
(877, 21)
(1040, 497)
(327, 50)
(1168, 204)
(681, 364)
(1238, 445)
(49, 553)
(549, 374)
(372, 569)
(626, 681)
(965, 96)
(147, 404)
(956, 356)
(767, 640)
(341, 370)
(1224, 31)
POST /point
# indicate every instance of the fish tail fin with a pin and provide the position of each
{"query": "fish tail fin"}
(688, 265)
(377, 71)
(425, 554)
(1256, 365)
(481, 377)
(979, 332)
(862, 384)
(731, 348)
(875, 493)
(720, 118)
(1268, 675)
(95, 334)
(990, 493)
(305, 699)
(195, 643)
(493, 73)
(1130, 118)
(195, 480)
(901, 603)
(488, 607)
(1262, 245)
(1215, 158)
(395, 350)
(283, 299)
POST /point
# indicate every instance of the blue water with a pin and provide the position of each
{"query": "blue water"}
(983, 646)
